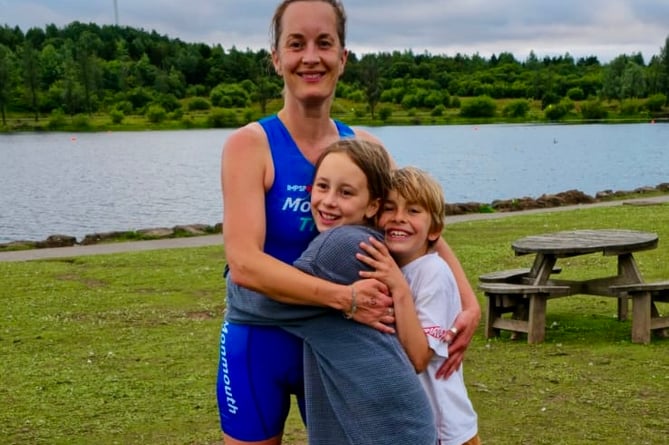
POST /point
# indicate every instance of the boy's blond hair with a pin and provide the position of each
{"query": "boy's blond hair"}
(417, 186)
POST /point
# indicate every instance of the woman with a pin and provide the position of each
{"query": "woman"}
(266, 171)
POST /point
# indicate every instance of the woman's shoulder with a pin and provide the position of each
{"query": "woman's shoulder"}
(250, 131)
(366, 135)
(246, 140)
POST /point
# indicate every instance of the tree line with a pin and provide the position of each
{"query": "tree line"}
(86, 68)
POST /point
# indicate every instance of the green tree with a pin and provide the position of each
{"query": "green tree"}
(89, 66)
(664, 68)
(612, 87)
(633, 81)
(7, 79)
(31, 75)
(51, 63)
(371, 81)
(265, 91)
(72, 91)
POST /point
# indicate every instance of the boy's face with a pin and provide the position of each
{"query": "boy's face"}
(407, 228)
(340, 194)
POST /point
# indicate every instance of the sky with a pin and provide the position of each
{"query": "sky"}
(582, 28)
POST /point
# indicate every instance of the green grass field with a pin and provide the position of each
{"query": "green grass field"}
(122, 348)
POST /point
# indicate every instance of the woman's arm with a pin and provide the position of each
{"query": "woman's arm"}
(467, 321)
(246, 174)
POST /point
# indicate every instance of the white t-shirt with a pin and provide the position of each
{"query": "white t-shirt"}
(437, 302)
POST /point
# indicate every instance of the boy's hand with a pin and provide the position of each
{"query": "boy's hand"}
(385, 267)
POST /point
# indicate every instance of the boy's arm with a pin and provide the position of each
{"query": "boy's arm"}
(408, 326)
(409, 329)
(467, 321)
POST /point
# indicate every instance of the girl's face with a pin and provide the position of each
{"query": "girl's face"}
(309, 55)
(340, 194)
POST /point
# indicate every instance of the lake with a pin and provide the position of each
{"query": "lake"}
(78, 184)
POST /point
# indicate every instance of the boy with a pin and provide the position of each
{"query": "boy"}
(412, 220)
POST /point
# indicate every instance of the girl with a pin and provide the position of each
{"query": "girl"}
(360, 387)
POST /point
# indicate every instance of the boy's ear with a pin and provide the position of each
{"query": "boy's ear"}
(435, 233)
(373, 208)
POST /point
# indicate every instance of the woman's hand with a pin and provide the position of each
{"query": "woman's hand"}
(458, 338)
(373, 305)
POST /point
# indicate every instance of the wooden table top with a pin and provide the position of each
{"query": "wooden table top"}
(578, 242)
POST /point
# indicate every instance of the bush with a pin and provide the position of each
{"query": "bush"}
(249, 115)
(81, 122)
(385, 112)
(57, 119)
(410, 101)
(575, 94)
(549, 99)
(176, 115)
(156, 114)
(139, 98)
(116, 116)
(630, 107)
(168, 101)
(356, 96)
(593, 109)
(229, 95)
(196, 90)
(656, 102)
(223, 119)
(555, 112)
(198, 103)
(481, 106)
(438, 110)
(516, 108)
(124, 106)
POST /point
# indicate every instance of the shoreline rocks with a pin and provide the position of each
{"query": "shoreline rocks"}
(569, 197)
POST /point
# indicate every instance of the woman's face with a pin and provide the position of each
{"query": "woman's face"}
(309, 55)
(340, 194)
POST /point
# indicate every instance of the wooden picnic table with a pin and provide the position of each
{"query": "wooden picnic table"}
(534, 286)
(610, 242)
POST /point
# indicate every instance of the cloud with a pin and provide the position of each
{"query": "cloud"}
(603, 28)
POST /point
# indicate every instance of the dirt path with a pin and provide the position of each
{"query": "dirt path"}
(209, 240)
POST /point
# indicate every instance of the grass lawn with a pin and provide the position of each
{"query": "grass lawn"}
(122, 348)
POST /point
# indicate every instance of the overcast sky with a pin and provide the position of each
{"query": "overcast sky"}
(602, 28)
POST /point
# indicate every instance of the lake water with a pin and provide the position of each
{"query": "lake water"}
(77, 184)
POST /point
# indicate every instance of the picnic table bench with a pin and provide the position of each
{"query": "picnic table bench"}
(645, 316)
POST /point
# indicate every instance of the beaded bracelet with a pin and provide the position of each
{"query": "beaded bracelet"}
(354, 305)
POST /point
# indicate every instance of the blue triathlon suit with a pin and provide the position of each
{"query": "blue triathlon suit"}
(260, 364)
